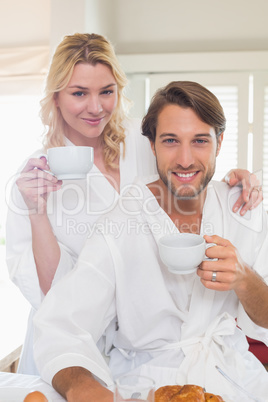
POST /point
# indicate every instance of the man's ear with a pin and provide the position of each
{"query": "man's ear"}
(219, 142)
(152, 146)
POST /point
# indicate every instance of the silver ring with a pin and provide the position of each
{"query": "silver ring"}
(214, 277)
(257, 188)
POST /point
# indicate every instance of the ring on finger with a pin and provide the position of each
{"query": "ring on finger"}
(214, 277)
(257, 188)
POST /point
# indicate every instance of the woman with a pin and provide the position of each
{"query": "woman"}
(49, 220)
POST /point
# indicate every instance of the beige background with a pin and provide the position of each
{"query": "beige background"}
(139, 26)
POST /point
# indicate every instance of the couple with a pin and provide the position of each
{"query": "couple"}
(84, 104)
(121, 300)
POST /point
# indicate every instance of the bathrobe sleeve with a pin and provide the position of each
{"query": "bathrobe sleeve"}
(75, 314)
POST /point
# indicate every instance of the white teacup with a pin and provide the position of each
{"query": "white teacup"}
(71, 162)
(182, 252)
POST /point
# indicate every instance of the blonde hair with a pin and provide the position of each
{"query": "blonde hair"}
(92, 49)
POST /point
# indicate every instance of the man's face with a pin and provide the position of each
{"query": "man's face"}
(185, 148)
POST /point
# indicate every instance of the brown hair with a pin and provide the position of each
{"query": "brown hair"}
(186, 94)
(92, 49)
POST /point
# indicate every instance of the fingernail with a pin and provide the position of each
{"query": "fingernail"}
(235, 209)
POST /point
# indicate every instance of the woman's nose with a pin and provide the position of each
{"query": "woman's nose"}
(94, 105)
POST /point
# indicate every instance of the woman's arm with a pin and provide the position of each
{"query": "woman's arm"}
(35, 185)
(46, 250)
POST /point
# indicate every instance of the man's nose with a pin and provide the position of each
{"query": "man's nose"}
(94, 105)
(185, 156)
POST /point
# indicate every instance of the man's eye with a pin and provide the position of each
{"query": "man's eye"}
(169, 141)
(201, 141)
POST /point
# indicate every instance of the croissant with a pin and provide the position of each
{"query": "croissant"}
(189, 393)
(212, 397)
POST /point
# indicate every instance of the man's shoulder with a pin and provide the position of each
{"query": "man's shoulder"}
(225, 194)
(253, 220)
(221, 187)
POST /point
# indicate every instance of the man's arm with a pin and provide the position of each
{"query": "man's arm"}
(76, 384)
(233, 274)
(253, 295)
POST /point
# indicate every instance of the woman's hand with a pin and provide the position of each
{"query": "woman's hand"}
(251, 195)
(35, 185)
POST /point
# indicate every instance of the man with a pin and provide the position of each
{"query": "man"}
(173, 328)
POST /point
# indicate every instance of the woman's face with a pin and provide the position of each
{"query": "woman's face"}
(87, 103)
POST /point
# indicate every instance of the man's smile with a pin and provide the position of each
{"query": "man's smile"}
(186, 175)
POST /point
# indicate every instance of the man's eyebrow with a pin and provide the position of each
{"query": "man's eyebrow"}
(203, 135)
(172, 135)
(167, 135)
(84, 88)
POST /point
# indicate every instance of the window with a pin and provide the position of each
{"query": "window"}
(21, 130)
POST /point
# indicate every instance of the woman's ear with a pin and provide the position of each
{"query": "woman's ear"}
(55, 97)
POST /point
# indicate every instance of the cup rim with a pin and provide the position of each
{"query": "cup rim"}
(162, 239)
(71, 146)
(149, 379)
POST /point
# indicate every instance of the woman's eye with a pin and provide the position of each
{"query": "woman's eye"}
(78, 93)
(107, 92)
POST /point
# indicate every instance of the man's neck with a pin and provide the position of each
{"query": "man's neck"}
(185, 213)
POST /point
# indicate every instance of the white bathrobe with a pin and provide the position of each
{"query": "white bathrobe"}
(72, 211)
(160, 324)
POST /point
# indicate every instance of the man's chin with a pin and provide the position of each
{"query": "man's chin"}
(185, 197)
(187, 194)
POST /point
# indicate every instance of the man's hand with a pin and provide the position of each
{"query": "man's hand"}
(229, 272)
(229, 268)
(251, 195)
(77, 384)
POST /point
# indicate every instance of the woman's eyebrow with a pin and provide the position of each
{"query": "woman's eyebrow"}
(81, 87)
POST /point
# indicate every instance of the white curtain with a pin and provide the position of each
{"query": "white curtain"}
(23, 61)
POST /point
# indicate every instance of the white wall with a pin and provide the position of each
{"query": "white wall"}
(140, 26)
(177, 25)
